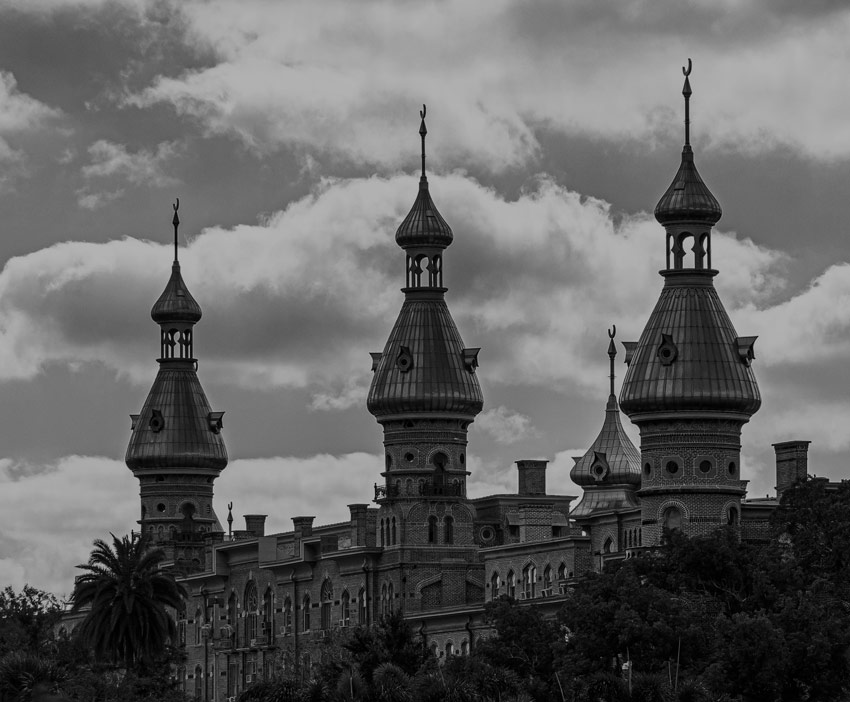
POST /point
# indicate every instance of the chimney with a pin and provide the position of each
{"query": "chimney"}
(358, 524)
(255, 524)
(532, 477)
(792, 464)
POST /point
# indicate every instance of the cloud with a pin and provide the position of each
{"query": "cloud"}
(278, 83)
(505, 425)
(299, 299)
(111, 162)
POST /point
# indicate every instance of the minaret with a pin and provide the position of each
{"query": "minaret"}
(609, 471)
(176, 449)
(689, 387)
(425, 394)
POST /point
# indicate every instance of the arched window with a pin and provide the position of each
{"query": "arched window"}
(562, 571)
(390, 597)
(608, 546)
(449, 530)
(732, 516)
(199, 621)
(345, 609)
(287, 615)
(672, 518)
(464, 648)
(384, 606)
(268, 615)
(529, 581)
(252, 606)
(327, 601)
(495, 584)
(511, 584)
(361, 607)
(383, 542)
(181, 625)
(432, 529)
(450, 649)
(547, 581)
(433, 648)
(393, 541)
(305, 613)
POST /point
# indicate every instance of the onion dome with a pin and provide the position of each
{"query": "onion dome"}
(612, 458)
(688, 198)
(424, 226)
(176, 303)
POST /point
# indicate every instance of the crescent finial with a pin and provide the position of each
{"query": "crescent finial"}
(687, 71)
(422, 111)
(612, 332)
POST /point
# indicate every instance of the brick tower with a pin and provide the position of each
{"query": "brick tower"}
(425, 394)
(689, 386)
(176, 449)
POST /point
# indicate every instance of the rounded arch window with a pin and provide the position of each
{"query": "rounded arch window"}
(440, 460)
(672, 467)
(732, 516)
(673, 518)
(732, 467)
(389, 461)
(705, 466)
(647, 469)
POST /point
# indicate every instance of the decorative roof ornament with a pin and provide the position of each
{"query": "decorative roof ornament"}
(175, 221)
(688, 198)
(176, 303)
(424, 226)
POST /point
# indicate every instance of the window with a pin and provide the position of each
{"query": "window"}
(495, 584)
(450, 649)
(449, 530)
(383, 542)
(464, 648)
(732, 516)
(268, 614)
(361, 607)
(393, 541)
(384, 607)
(608, 546)
(181, 625)
(511, 584)
(287, 614)
(529, 581)
(199, 682)
(547, 581)
(432, 529)
(562, 571)
(199, 620)
(390, 597)
(672, 518)
(231, 617)
(327, 601)
(345, 608)
(305, 613)
(672, 467)
(252, 607)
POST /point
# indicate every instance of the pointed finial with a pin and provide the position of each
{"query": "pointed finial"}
(686, 91)
(612, 352)
(422, 132)
(229, 519)
(176, 222)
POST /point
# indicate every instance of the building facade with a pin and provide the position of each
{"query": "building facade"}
(266, 604)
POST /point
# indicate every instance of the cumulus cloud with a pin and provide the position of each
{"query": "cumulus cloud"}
(276, 83)
(505, 425)
(299, 299)
(110, 162)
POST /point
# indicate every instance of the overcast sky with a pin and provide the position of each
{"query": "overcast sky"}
(289, 132)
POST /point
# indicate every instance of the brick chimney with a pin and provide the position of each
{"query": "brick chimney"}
(792, 463)
(532, 477)
(255, 524)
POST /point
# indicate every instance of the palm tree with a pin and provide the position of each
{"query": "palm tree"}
(127, 594)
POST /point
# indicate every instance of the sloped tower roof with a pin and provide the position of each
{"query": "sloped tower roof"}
(609, 471)
(176, 427)
(424, 367)
(689, 356)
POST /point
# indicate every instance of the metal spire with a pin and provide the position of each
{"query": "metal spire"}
(612, 352)
(686, 91)
(176, 222)
(229, 520)
(422, 132)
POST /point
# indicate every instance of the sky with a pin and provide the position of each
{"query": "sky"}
(289, 131)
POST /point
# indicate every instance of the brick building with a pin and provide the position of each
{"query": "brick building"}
(263, 604)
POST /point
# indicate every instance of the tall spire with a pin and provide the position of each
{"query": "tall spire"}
(422, 132)
(176, 222)
(612, 354)
(686, 91)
